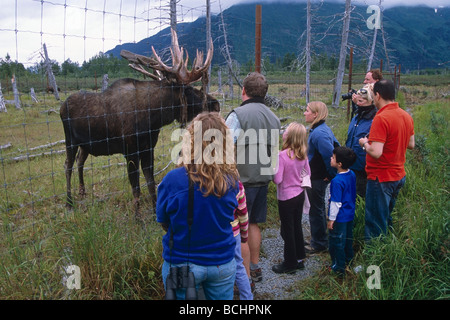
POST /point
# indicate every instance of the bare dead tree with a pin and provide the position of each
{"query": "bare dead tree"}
(308, 49)
(374, 42)
(208, 36)
(315, 21)
(2, 101)
(219, 80)
(226, 49)
(173, 15)
(342, 54)
(383, 36)
(105, 82)
(51, 77)
(16, 92)
(33, 95)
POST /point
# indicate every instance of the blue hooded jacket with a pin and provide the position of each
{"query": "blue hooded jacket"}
(321, 142)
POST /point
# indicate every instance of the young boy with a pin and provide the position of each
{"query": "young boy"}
(342, 209)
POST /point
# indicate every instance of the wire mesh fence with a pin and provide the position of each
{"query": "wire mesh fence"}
(77, 35)
(32, 138)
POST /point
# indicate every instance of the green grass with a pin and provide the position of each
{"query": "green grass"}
(121, 259)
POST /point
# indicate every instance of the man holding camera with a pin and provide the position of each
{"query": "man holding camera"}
(391, 134)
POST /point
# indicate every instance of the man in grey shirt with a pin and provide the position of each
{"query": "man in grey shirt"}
(256, 134)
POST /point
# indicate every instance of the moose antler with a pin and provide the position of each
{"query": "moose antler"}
(178, 70)
(138, 62)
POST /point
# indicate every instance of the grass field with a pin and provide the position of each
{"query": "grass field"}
(121, 259)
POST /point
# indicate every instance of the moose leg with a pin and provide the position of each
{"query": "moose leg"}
(81, 159)
(133, 176)
(147, 168)
(68, 166)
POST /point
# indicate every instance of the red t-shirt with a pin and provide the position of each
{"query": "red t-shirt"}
(394, 127)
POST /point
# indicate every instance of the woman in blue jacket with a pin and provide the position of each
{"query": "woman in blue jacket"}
(321, 142)
(360, 127)
(208, 246)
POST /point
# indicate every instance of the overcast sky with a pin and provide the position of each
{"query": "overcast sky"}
(72, 29)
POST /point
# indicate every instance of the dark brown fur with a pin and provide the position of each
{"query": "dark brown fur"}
(126, 118)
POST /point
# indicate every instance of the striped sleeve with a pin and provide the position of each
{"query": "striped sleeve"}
(240, 224)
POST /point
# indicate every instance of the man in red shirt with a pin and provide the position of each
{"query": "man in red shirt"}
(391, 134)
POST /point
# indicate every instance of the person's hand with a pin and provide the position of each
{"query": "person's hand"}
(330, 224)
(363, 141)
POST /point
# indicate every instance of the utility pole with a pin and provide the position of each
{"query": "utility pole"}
(258, 23)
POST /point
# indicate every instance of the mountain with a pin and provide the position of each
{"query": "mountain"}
(416, 37)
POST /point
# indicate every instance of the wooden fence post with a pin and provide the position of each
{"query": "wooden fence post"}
(258, 23)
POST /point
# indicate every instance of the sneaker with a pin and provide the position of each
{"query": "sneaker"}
(256, 275)
(252, 285)
(300, 265)
(311, 250)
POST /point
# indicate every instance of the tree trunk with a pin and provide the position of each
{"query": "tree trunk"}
(105, 82)
(226, 54)
(173, 15)
(308, 49)
(16, 92)
(374, 42)
(384, 43)
(208, 36)
(342, 55)
(372, 51)
(51, 77)
(33, 95)
(2, 101)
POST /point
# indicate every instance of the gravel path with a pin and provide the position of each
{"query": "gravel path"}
(278, 286)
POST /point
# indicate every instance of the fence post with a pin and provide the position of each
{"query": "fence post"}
(258, 22)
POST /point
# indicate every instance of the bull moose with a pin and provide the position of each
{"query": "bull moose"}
(127, 117)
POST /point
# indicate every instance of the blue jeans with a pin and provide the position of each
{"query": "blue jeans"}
(242, 280)
(341, 245)
(217, 281)
(380, 201)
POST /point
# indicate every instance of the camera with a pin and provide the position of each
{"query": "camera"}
(180, 278)
(348, 95)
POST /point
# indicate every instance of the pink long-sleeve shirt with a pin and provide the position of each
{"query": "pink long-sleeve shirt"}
(288, 177)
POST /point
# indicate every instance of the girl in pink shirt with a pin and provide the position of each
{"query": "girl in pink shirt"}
(292, 166)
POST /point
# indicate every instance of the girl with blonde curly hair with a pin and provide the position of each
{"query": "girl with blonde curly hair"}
(208, 246)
